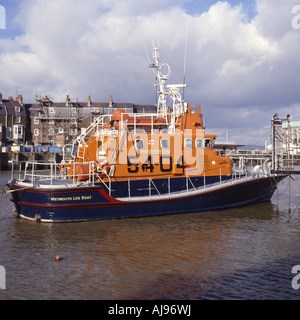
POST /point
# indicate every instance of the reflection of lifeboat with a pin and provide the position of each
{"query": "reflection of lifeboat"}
(137, 164)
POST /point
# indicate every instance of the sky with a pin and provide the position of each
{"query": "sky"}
(242, 57)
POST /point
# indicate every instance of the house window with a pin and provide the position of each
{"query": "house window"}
(18, 109)
(36, 132)
(73, 121)
(51, 111)
(36, 120)
(18, 119)
(60, 130)
(73, 132)
(18, 132)
(8, 132)
(73, 112)
(51, 131)
(51, 121)
(188, 143)
(96, 110)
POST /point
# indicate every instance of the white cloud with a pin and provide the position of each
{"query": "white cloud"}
(96, 47)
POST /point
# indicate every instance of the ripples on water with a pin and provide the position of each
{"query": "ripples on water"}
(243, 253)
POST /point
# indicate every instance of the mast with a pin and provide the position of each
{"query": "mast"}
(167, 92)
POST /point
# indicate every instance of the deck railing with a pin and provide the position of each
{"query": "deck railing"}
(52, 173)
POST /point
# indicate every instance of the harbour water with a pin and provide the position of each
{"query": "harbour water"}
(241, 253)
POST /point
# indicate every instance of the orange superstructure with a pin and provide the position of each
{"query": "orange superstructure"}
(142, 146)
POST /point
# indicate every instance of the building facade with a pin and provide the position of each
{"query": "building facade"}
(53, 123)
(14, 121)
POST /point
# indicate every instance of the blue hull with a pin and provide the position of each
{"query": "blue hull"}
(92, 203)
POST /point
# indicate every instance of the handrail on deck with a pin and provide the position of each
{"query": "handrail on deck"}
(52, 171)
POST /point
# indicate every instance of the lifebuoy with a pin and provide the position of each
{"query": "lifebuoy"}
(97, 167)
(106, 168)
(64, 166)
(102, 169)
(61, 165)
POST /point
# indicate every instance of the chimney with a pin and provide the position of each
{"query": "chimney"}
(89, 101)
(0, 97)
(110, 101)
(67, 101)
(19, 99)
(10, 98)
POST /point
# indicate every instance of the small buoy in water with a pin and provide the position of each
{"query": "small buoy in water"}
(58, 257)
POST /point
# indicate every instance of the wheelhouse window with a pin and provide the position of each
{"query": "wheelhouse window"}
(188, 143)
(207, 143)
(100, 146)
(101, 152)
(199, 143)
(139, 144)
(165, 144)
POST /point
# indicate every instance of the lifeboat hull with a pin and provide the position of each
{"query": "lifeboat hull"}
(93, 203)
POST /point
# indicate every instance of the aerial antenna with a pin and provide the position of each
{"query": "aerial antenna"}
(146, 52)
(149, 62)
(184, 63)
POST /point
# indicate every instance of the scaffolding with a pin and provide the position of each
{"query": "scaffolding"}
(285, 145)
(53, 121)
